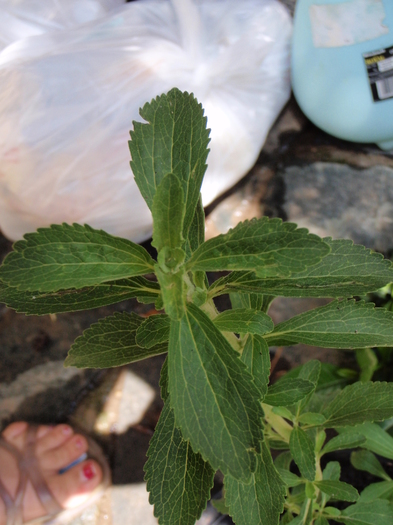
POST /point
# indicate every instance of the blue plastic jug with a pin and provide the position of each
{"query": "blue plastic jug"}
(342, 67)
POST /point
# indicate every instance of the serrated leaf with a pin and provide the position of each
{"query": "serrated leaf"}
(168, 213)
(153, 330)
(243, 321)
(288, 391)
(303, 452)
(256, 357)
(338, 490)
(196, 233)
(366, 460)
(268, 247)
(290, 479)
(65, 256)
(179, 481)
(340, 324)
(379, 512)
(262, 500)
(343, 442)
(359, 403)
(215, 401)
(251, 301)
(379, 490)
(377, 440)
(43, 303)
(310, 371)
(172, 292)
(110, 342)
(174, 140)
(348, 270)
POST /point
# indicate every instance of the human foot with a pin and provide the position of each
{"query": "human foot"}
(54, 449)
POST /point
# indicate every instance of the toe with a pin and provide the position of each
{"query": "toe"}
(74, 486)
(59, 457)
(56, 437)
(15, 430)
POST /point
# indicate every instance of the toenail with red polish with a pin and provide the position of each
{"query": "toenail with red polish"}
(88, 471)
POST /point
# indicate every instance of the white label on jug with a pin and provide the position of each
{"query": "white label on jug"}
(347, 23)
(379, 66)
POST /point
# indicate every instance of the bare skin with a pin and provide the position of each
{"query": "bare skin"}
(56, 448)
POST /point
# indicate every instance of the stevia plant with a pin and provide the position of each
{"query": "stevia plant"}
(220, 412)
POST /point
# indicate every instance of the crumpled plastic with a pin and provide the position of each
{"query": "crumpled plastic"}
(68, 99)
(22, 18)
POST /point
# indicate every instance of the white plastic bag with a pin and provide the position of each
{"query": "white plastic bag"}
(22, 18)
(68, 98)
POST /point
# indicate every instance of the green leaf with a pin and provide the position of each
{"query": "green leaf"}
(196, 233)
(257, 359)
(262, 500)
(268, 247)
(321, 521)
(379, 512)
(359, 403)
(305, 516)
(310, 371)
(168, 213)
(163, 383)
(174, 140)
(43, 303)
(332, 471)
(348, 270)
(243, 321)
(74, 256)
(153, 330)
(110, 342)
(220, 505)
(343, 442)
(290, 479)
(340, 324)
(283, 460)
(311, 418)
(338, 490)
(303, 453)
(286, 392)
(368, 363)
(215, 401)
(377, 440)
(380, 490)
(251, 301)
(179, 481)
(172, 291)
(366, 460)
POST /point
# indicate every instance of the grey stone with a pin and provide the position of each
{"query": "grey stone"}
(342, 202)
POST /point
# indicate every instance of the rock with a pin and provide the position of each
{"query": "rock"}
(340, 201)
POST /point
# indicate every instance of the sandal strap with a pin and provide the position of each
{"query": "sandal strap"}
(9, 504)
(14, 507)
(30, 464)
(29, 468)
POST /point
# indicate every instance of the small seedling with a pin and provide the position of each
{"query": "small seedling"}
(220, 412)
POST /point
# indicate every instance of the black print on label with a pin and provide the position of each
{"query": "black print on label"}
(379, 66)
